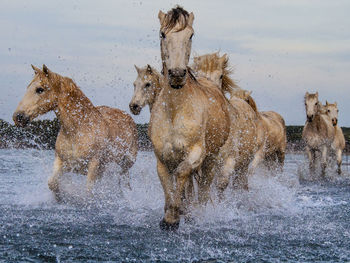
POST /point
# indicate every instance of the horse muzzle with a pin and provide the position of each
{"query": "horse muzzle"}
(21, 119)
(334, 122)
(310, 118)
(177, 77)
(135, 108)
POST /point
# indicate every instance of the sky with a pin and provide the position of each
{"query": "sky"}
(279, 49)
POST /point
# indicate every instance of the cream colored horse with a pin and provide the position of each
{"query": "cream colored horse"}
(89, 137)
(318, 133)
(271, 128)
(193, 126)
(147, 87)
(338, 143)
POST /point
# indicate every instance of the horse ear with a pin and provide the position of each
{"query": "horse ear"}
(248, 93)
(336, 104)
(46, 70)
(223, 58)
(36, 70)
(149, 69)
(327, 103)
(307, 93)
(137, 69)
(190, 19)
(161, 16)
(316, 94)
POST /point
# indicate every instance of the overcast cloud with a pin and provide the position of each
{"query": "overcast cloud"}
(279, 49)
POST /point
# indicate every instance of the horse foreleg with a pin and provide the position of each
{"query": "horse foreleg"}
(53, 181)
(311, 156)
(339, 160)
(224, 178)
(324, 160)
(182, 172)
(258, 157)
(94, 172)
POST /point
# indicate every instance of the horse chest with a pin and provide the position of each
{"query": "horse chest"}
(171, 141)
(73, 150)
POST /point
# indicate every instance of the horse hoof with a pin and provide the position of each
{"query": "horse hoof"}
(168, 226)
(58, 197)
(189, 219)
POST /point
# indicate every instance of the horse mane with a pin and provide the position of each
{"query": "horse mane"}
(245, 95)
(65, 85)
(210, 62)
(227, 82)
(191, 74)
(176, 16)
(252, 103)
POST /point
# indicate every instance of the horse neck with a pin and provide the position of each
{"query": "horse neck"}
(73, 108)
(318, 122)
(175, 97)
(158, 82)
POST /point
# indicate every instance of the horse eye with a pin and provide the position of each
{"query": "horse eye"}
(221, 76)
(329, 111)
(316, 103)
(39, 90)
(191, 36)
(148, 85)
(162, 35)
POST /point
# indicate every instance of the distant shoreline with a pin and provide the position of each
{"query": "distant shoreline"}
(42, 135)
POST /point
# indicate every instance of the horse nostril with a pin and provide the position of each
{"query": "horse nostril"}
(19, 117)
(134, 108)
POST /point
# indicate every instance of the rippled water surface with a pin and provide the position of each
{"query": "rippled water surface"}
(279, 219)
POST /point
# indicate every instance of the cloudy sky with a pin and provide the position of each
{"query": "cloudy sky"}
(279, 48)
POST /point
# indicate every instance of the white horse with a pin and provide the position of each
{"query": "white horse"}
(318, 133)
(338, 143)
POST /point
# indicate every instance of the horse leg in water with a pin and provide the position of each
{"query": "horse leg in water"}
(339, 160)
(225, 174)
(241, 180)
(280, 158)
(205, 180)
(181, 174)
(311, 156)
(324, 160)
(95, 169)
(53, 181)
(258, 157)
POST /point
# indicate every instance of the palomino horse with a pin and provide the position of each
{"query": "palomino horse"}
(271, 128)
(147, 87)
(338, 143)
(89, 137)
(191, 121)
(318, 133)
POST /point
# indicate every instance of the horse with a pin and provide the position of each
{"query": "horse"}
(338, 143)
(89, 137)
(192, 126)
(147, 87)
(318, 133)
(272, 129)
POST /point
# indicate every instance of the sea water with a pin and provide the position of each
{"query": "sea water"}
(281, 218)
